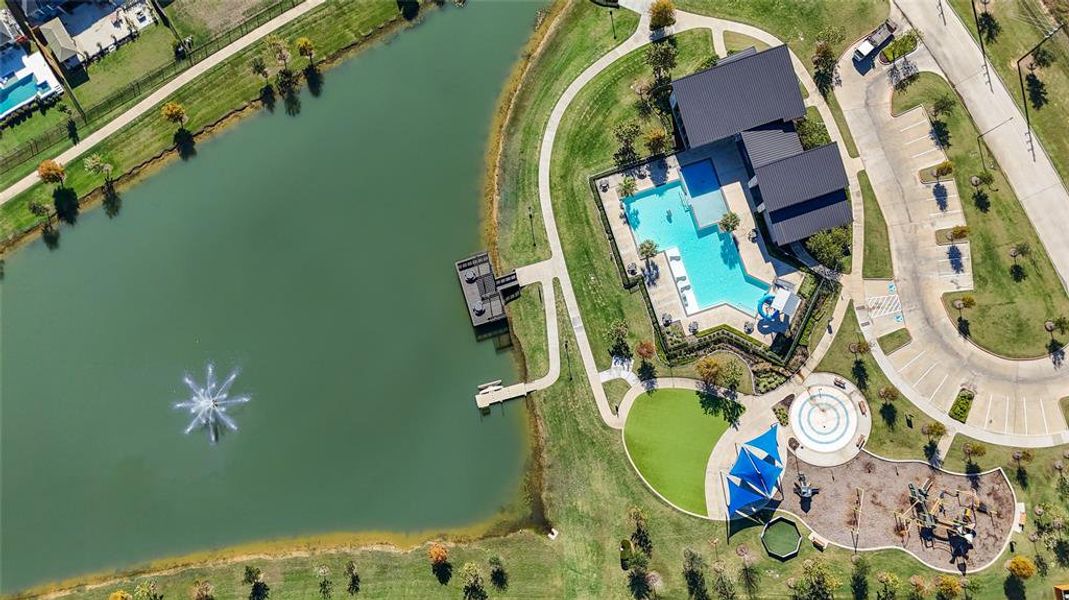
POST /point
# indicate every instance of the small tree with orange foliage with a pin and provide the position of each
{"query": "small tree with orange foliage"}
(51, 171)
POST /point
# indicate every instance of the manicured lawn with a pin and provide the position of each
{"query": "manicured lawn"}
(332, 26)
(204, 19)
(669, 437)
(131, 61)
(890, 342)
(1034, 485)
(896, 427)
(1024, 23)
(1009, 315)
(16, 133)
(798, 24)
(735, 42)
(585, 146)
(781, 538)
(877, 262)
(615, 391)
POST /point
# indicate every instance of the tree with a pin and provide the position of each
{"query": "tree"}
(438, 553)
(96, 165)
(279, 50)
(1042, 57)
(638, 577)
(662, 14)
(750, 575)
(947, 587)
(641, 535)
(724, 587)
(499, 577)
(729, 222)
(889, 585)
(148, 590)
(944, 104)
(354, 578)
(824, 61)
(959, 232)
(730, 376)
(888, 393)
(120, 595)
(973, 450)
(645, 350)
(259, 67)
(816, 582)
(860, 348)
(829, 246)
(40, 210)
(202, 590)
(51, 171)
(628, 186)
(1021, 249)
(326, 586)
(656, 140)
(1024, 455)
(175, 113)
(812, 133)
(307, 49)
(1061, 323)
(708, 369)
(647, 250)
(1021, 567)
(661, 58)
(694, 574)
(934, 430)
(626, 134)
(474, 589)
(251, 574)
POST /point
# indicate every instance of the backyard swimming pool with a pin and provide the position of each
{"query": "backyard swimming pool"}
(16, 94)
(713, 268)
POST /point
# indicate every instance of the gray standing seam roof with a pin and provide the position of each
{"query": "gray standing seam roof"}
(803, 220)
(769, 143)
(737, 95)
(802, 177)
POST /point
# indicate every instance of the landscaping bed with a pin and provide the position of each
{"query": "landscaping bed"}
(959, 411)
(889, 342)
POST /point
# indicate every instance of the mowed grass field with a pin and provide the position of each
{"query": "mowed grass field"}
(669, 437)
(1009, 314)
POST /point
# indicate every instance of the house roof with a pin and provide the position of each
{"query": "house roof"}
(801, 177)
(9, 31)
(738, 94)
(59, 41)
(802, 220)
(770, 143)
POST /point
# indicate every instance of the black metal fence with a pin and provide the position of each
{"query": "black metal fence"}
(99, 113)
(720, 337)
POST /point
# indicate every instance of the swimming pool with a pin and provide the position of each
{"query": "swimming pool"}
(710, 259)
(16, 94)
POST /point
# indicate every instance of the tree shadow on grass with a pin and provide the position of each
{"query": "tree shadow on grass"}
(860, 373)
(72, 131)
(185, 144)
(972, 473)
(1017, 273)
(1013, 588)
(722, 403)
(889, 413)
(931, 453)
(1021, 475)
(981, 200)
(1057, 353)
(964, 328)
(647, 371)
(66, 203)
(443, 571)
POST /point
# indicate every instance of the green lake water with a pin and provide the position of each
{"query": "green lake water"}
(315, 253)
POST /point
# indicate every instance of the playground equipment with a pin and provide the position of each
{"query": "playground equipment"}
(803, 488)
(939, 521)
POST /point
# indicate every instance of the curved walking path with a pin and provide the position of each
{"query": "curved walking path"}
(1017, 402)
(558, 263)
(147, 104)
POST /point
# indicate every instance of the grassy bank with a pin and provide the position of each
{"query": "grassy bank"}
(335, 28)
(1010, 311)
(877, 261)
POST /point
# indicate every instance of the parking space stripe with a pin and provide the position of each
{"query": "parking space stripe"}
(905, 366)
(1043, 410)
(925, 152)
(923, 137)
(930, 367)
(1024, 409)
(938, 387)
(917, 124)
(1007, 427)
(987, 418)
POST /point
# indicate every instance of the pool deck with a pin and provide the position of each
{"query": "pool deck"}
(754, 254)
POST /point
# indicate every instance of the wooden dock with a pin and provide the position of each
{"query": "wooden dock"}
(495, 394)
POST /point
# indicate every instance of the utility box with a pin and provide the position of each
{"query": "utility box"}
(1061, 592)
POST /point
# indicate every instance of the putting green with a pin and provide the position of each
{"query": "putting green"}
(669, 438)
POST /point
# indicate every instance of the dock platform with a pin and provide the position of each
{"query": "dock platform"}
(497, 394)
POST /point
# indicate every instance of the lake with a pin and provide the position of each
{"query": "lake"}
(314, 254)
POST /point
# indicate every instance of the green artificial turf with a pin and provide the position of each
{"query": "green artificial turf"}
(781, 538)
(669, 437)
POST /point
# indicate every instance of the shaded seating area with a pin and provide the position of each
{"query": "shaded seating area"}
(754, 479)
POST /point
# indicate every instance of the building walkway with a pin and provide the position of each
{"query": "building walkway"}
(149, 103)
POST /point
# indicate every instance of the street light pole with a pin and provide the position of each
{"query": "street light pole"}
(1024, 95)
(983, 48)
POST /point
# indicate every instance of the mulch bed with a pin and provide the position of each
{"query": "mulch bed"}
(831, 512)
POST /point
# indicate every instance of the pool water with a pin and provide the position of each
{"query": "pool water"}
(17, 93)
(712, 262)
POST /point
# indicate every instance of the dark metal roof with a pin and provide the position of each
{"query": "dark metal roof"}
(737, 55)
(798, 178)
(772, 142)
(738, 94)
(804, 219)
(485, 305)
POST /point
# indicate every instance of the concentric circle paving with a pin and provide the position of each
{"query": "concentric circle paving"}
(824, 419)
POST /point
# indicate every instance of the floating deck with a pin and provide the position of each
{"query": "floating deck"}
(496, 394)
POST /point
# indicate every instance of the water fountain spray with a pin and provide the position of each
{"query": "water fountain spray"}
(209, 403)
